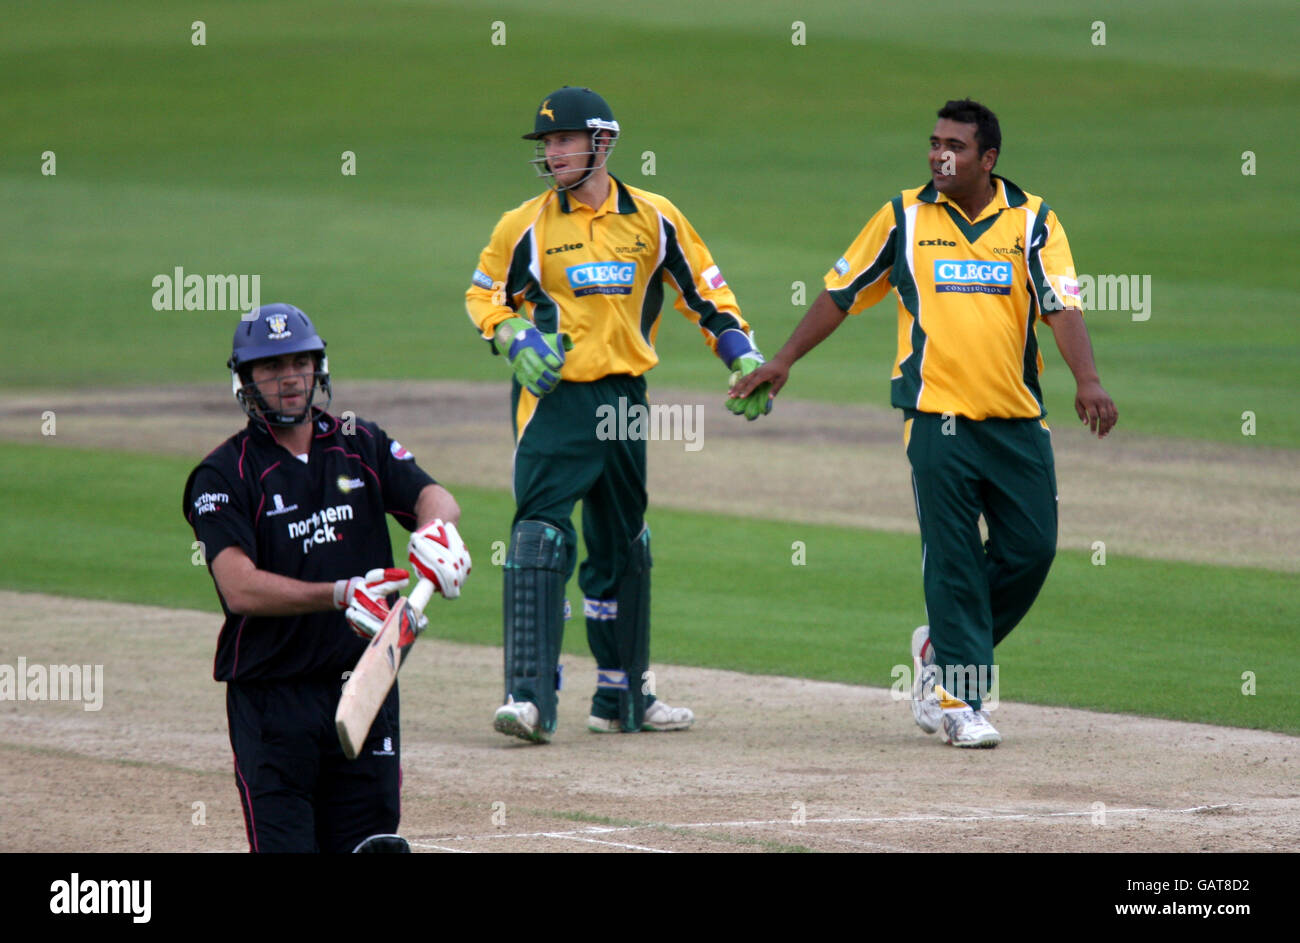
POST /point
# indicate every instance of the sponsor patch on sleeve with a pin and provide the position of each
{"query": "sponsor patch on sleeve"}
(713, 277)
(399, 452)
(210, 501)
(1069, 288)
(842, 266)
(481, 280)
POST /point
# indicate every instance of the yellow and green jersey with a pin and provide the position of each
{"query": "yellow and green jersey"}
(969, 297)
(599, 275)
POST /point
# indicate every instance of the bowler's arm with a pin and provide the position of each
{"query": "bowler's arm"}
(820, 321)
(1092, 403)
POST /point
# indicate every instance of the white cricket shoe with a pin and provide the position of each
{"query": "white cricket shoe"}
(969, 728)
(659, 716)
(520, 719)
(926, 710)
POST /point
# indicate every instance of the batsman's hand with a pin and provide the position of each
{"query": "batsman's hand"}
(438, 554)
(365, 598)
(535, 357)
(756, 398)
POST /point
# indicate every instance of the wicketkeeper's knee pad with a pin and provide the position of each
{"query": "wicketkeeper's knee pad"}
(534, 615)
(632, 633)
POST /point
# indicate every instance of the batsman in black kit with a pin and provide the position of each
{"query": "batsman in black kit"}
(289, 511)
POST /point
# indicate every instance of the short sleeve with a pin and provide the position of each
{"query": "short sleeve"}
(502, 269)
(1051, 265)
(219, 514)
(860, 277)
(401, 478)
(705, 298)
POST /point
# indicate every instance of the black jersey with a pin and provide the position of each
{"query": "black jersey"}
(317, 521)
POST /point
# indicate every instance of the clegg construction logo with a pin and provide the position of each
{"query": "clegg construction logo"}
(601, 278)
(969, 276)
(319, 528)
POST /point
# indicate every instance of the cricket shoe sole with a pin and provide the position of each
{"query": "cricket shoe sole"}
(520, 719)
(970, 729)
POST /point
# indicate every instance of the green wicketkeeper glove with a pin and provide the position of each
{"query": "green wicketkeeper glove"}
(535, 357)
(756, 403)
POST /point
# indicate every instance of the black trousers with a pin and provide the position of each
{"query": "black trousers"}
(298, 791)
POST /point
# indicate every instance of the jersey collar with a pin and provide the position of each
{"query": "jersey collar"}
(618, 201)
(1006, 195)
(323, 424)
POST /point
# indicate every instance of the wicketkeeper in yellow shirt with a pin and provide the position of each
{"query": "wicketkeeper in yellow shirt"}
(568, 291)
(975, 263)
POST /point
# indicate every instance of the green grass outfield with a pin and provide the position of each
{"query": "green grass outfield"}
(225, 158)
(1141, 636)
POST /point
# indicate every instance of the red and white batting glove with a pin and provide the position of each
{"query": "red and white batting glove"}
(364, 598)
(438, 554)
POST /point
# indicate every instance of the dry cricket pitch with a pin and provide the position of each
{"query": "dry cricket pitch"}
(772, 764)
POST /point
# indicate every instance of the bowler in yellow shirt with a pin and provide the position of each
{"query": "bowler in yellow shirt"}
(974, 262)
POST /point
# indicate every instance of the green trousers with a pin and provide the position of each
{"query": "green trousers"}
(566, 453)
(976, 592)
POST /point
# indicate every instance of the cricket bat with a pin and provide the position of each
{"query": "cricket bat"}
(376, 670)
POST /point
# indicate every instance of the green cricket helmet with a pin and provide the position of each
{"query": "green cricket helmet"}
(574, 109)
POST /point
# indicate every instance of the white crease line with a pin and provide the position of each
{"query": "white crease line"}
(596, 841)
(588, 830)
(993, 817)
(454, 851)
(856, 842)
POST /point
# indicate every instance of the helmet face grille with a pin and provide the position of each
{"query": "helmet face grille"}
(273, 331)
(255, 406)
(597, 156)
